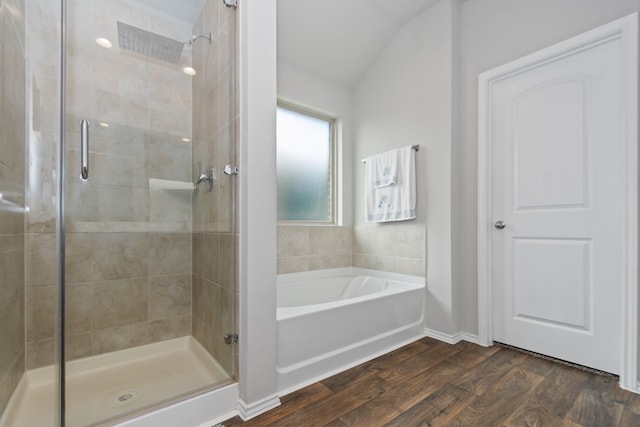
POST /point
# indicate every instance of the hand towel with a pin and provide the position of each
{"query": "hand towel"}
(395, 201)
(384, 168)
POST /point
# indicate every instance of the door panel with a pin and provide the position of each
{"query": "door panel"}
(548, 273)
(549, 136)
(558, 183)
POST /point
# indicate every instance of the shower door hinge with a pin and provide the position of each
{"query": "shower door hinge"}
(231, 170)
(230, 3)
(230, 338)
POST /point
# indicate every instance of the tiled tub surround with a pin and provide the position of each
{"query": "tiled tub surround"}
(124, 289)
(12, 201)
(395, 248)
(392, 247)
(308, 247)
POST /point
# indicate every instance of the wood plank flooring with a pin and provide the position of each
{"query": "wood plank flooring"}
(430, 383)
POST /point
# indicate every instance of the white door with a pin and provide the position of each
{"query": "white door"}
(558, 185)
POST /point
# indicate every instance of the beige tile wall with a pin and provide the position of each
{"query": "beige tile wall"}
(397, 248)
(12, 201)
(214, 294)
(42, 47)
(128, 246)
(123, 290)
(393, 247)
(43, 136)
(306, 248)
(214, 124)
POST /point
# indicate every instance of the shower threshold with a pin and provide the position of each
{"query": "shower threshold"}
(114, 384)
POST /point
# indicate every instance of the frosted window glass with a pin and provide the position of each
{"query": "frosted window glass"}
(304, 167)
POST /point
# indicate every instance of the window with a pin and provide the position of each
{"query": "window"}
(305, 165)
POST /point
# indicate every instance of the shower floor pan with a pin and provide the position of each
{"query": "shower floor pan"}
(114, 384)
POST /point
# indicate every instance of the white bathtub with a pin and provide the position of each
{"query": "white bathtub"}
(331, 320)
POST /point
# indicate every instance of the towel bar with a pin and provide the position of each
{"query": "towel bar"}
(414, 147)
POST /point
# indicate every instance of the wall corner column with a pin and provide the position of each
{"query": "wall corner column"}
(257, 205)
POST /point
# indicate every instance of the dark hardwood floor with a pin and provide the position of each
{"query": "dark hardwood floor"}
(430, 383)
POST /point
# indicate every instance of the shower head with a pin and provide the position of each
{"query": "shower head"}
(149, 44)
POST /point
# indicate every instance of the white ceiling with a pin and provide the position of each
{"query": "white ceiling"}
(337, 40)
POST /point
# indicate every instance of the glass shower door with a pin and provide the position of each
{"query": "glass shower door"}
(29, 274)
(150, 219)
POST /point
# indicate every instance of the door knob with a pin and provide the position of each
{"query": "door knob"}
(500, 225)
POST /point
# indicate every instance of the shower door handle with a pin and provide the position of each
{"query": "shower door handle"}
(84, 150)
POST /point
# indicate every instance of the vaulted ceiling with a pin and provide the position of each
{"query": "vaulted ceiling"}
(337, 40)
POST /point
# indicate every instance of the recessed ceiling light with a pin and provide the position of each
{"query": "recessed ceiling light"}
(104, 42)
(186, 140)
(104, 125)
(189, 71)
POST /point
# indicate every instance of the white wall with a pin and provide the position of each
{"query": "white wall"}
(257, 204)
(419, 96)
(299, 87)
(494, 32)
(406, 97)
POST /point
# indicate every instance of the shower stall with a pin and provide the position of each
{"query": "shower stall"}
(118, 236)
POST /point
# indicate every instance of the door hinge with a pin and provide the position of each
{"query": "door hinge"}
(231, 338)
(231, 170)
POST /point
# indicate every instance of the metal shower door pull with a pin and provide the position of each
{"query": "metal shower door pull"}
(209, 176)
(500, 224)
(84, 150)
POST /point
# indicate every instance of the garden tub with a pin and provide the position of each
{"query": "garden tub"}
(331, 320)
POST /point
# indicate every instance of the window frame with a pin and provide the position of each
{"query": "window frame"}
(333, 163)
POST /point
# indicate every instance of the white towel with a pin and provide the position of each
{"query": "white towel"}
(384, 168)
(395, 201)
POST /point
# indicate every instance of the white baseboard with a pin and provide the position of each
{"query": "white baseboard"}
(636, 390)
(469, 337)
(248, 411)
(451, 338)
